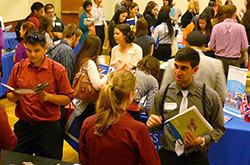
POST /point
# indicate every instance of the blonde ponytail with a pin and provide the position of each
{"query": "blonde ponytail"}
(119, 84)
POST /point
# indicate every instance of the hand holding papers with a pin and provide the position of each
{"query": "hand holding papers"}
(90, 22)
(39, 87)
(191, 120)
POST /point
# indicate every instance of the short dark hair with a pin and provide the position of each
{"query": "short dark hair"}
(86, 3)
(126, 31)
(35, 37)
(195, 38)
(36, 6)
(48, 6)
(229, 10)
(212, 4)
(188, 54)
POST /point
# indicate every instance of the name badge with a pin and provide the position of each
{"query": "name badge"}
(58, 23)
(131, 52)
(170, 106)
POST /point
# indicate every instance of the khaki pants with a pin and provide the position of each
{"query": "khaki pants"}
(228, 61)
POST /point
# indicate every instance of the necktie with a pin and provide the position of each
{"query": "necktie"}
(179, 149)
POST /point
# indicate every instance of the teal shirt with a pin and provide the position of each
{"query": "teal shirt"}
(83, 27)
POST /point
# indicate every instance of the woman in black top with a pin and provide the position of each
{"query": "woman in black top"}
(119, 17)
(150, 14)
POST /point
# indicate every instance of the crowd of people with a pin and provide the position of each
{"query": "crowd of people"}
(110, 130)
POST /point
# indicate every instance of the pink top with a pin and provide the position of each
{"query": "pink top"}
(228, 39)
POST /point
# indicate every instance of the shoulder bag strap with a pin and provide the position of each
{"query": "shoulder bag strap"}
(164, 36)
(84, 66)
(162, 103)
(203, 101)
(54, 76)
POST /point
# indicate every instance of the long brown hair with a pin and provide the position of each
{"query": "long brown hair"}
(90, 49)
(149, 8)
(149, 65)
(45, 25)
(29, 27)
(141, 27)
(119, 84)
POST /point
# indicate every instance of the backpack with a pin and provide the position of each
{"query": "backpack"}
(18, 27)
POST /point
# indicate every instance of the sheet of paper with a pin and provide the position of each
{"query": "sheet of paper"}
(88, 21)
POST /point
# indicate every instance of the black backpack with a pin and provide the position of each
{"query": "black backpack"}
(18, 27)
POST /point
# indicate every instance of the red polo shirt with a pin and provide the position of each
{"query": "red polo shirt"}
(30, 107)
(35, 20)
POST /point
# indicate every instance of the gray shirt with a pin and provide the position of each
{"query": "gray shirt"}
(145, 42)
(213, 109)
(160, 33)
(65, 55)
(210, 72)
(146, 85)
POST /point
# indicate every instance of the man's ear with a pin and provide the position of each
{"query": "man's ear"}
(35, 11)
(195, 69)
(45, 47)
(234, 16)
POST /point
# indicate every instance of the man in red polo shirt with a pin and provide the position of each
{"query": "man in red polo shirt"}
(37, 11)
(38, 129)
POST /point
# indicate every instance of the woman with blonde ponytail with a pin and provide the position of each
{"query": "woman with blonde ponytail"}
(112, 136)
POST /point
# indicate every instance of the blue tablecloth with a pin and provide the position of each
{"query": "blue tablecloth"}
(231, 149)
(7, 65)
(10, 40)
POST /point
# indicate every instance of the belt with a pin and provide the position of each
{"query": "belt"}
(227, 57)
(188, 155)
(101, 26)
(34, 123)
(193, 154)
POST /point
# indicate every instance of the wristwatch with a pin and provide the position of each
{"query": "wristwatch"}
(203, 142)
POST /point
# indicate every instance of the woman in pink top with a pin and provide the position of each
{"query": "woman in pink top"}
(112, 136)
(21, 50)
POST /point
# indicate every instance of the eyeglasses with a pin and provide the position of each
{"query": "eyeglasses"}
(51, 12)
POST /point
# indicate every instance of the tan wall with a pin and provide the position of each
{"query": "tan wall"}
(12, 10)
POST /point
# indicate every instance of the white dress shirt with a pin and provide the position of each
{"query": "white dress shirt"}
(98, 14)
